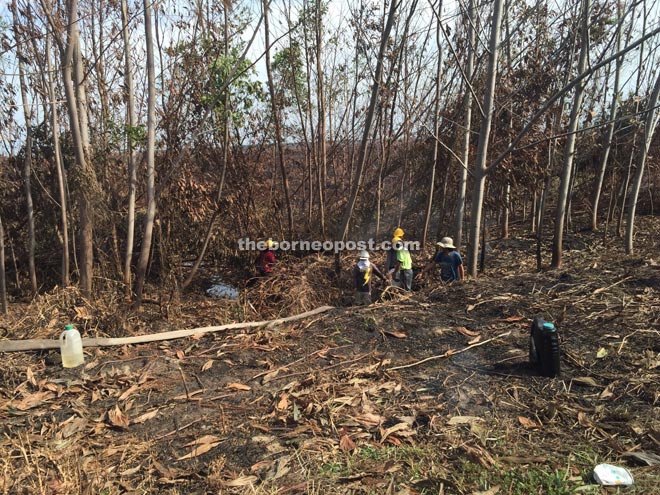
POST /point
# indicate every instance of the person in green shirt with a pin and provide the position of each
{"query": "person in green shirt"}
(390, 260)
(403, 273)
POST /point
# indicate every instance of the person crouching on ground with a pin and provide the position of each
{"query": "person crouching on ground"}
(362, 275)
(450, 261)
(266, 259)
(403, 273)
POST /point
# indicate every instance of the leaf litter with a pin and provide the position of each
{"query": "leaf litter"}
(315, 406)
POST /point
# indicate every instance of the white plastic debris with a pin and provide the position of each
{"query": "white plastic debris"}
(608, 475)
(220, 290)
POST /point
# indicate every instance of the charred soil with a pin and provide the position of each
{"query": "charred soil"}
(429, 392)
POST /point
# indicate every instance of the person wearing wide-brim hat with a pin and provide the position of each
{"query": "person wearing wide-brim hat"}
(450, 261)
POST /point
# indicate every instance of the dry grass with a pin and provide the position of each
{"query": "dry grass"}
(310, 407)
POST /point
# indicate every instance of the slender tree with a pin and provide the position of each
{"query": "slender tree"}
(362, 152)
(569, 151)
(131, 128)
(650, 124)
(484, 136)
(59, 167)
(149, 218)
(276, 121)
(3, 278)
(73, 79)
(467, 126)
(609, 133)
(27, 162)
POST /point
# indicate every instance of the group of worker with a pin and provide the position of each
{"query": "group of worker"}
(398, 267)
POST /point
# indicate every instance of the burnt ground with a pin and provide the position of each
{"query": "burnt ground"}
(340, 403)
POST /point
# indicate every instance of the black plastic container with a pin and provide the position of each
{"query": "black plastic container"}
(544, 348)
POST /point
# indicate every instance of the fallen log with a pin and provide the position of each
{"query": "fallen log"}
(39, 344)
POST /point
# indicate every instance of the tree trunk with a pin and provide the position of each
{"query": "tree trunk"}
(609, 134)
(362, 152)
(132, 168)
(649, 129)
(57, 152)
(436, 124)
(225, 160)
(150, 158)
(569, 153)
(276, 122)
(320, 126)
(505, 211)
(27, 162)
(484, 135)
(3, 278)
(72, 79)
(467, 125)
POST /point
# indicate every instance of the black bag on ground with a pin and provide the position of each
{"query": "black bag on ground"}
(544, 347)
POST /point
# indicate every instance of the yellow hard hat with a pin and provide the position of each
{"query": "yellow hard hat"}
(398, 232)
(396, 238)
(269, 243)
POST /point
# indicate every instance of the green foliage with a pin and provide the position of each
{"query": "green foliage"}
(289, 74)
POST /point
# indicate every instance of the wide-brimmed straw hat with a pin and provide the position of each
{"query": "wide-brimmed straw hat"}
(446, 242)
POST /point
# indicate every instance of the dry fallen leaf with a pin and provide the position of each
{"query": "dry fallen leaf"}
(145, 417)
(512, 318)
(607, 393)
(199, 450)
(269, 376)
(242, 481)
(283, 404)
(82, 313)
(238, 386)
(206, 439)
(118, 418)
(393, 429)
(529, 424)
(180, 354)
(72, 427)
(583, 420)
(585, 380)
(207, 365)
(370, 420)
(466, 332)
(30, 377)
(463, 420)
(33, 400)
(131, 471)
(397, 334)
(346, 444)
(128, 392)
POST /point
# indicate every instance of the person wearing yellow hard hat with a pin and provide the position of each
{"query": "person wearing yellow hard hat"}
(402, 274)
(266, 258)
(390, 259)
(450, 261)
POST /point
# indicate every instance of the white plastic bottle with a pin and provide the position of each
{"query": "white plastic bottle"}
(71, 347)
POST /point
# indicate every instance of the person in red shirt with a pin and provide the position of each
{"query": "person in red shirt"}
(266, 259)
